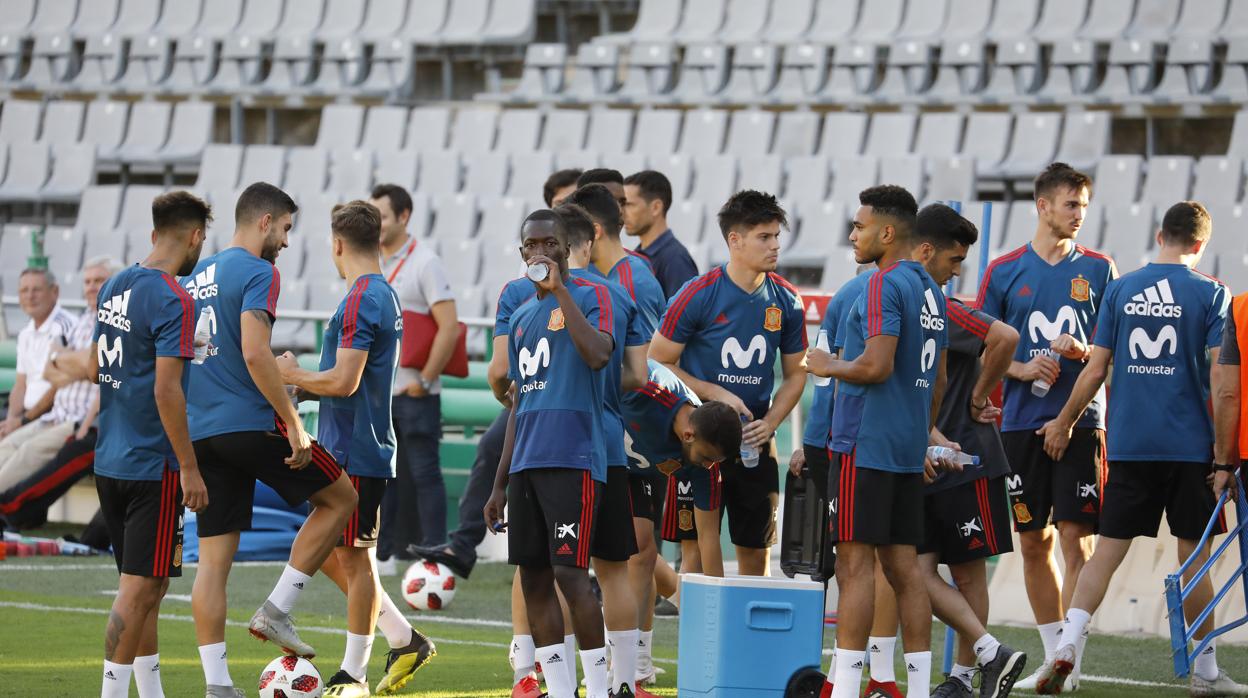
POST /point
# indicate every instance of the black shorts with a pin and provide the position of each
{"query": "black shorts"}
(751, 496)
(1068, 490)
(231, 464)
(873, 506)
(1137, 492)
(647, 498)
(967, 522)
(551, 514)
(688, 488)
(144, 521)
(365, 521)
(615, 539)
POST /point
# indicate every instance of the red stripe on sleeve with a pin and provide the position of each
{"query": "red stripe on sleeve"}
(186, 340)
(626, 279)
(275, 287)
(966, 320)
(677, 308)
(983, 284)
(351, 314)
(874, 301)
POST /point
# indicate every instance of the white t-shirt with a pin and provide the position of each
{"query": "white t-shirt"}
(34, 344)
(421, 283)
(74, 400)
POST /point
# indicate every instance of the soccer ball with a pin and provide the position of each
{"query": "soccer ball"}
(428, 586)
(290, 677)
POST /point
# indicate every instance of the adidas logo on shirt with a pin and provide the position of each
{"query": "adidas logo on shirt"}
(112, 312)
(1154, 301)
(930, 317)
(204, 285)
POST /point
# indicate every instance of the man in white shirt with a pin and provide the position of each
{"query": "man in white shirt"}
(31, 433)
(416, 273)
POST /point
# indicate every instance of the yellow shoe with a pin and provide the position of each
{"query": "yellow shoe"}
(402, 664)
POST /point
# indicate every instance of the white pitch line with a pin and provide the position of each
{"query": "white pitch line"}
(6, 567)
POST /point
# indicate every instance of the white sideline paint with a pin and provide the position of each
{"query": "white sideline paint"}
(112, 566)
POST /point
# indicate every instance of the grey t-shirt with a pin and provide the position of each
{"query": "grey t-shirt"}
(1229, 355)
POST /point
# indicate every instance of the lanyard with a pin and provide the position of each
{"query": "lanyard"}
(394, 274)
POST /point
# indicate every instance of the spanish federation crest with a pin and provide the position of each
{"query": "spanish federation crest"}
(772, 318)
(555, 323)
(1080, 289)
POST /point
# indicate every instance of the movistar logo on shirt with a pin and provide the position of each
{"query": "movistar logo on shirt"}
(930, 317)
(926, 361)
(107, 357)
(112, 312)
(530, 362)
(1140, 344)
(1154, 301)
(1040, 326)
(733, 355)
(204, 284)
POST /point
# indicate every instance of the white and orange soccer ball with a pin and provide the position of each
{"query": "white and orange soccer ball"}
(290, 677)
(428, 586)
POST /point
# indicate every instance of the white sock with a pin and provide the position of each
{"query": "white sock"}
(216, 670)
(1074, 626)
(553, 662)
(1080, 646)
(986, 648)
(964, 674)
(288, 588)
(1050, 635)
(1206, 664)
(522, 657)
(918, 673)
(623, 644)
(393, 624)
(595, 664)
(848, 674)
(569, 648)
(147, 676)
(355, 658)
(116, 680)
(831, 666)
(645, 638)
(880, 657)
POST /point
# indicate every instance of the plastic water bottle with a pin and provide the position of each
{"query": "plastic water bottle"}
(537, 273)
(749, 454)
(948, 455)
(1040, 387)
(822, 343)
(203, 335)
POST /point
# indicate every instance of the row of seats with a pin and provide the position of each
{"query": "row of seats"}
(230, 47)
(887, 21)
(1025, 71)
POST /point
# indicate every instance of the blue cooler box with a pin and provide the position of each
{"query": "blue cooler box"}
(744, 637)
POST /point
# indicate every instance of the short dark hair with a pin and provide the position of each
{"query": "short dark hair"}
(561, 179)
(179, 210)
(600, 175)
(892, 201)
(545, 214)
(720, 425)
(1060, 175)
(652, 185)
(358, 223)
(749, 208)
(400, 200)
(1186, 223)
(577, 221)
(944, 227)
(601, 205)
(261, 198)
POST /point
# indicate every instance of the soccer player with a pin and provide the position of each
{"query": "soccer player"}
(965, 513)
(721, 334)
(245, 428)
(357, 367)
(609, 178)
(890, 380)
(554, 465)
(1051, 291)
(145, 466)
(559, 185)
(614, 542)
(1160, 327)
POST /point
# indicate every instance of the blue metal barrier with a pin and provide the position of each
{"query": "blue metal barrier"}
(1181, 633)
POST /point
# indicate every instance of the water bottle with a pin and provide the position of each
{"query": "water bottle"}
(1040, 387)
(203, 335)
(537, 273)
(749, 454)
(822, 343)
(944, 454)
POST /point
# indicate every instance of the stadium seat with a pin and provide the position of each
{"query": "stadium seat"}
(486, 174)
(789, 20)
(843, 134)
(519, 130)
(854, 75)
(755, 70)
(804, 71)
(1017, 73)
(834, 20)
(939, 134)
(29, 166)
(909, 72)
(191, 127)
(1118, 178)
(384, 128)
(1019, 228)
(714, 179)
(440, 172)
(543, 78)
(1128, 234)
(1131, 72)
(881, 20)
(219, 167)
(290, 262)
(73, 170)
(1227, 244)
(701, 20)
(951, 178)
(825, 237)
(750, 132)
(595, 74)
(808, 178)
(703, 74)
(611, 130)
(428, 129)
(197, 54)
(922, 20)
(510, 23)
(967, 282)
(657, 132)
(19, 121)
(263, 163)
(63, 248)
(134, 225)
(795, 134)
(1108, 19)
(16, 16)
(851, 175)
(686, 219)
(703, 132)
(351, 173)
(1169, 180)
(968, 19)
(656, 21)
(565, 129)
(399, 167)
(1188, 74)
(987, 139)
(420, 222)
(243, 54)
(1084, 139)
(904, 170)
(1218, 179)
(650, 73)
(500, 221)
(745, 21)
(340, 126)
(890, 135)
(1059, 19)
(306, 170)
(679, 172)
(474, 129)
(1032, 146)
(455, 218)
(578, 159)
(14, 250)
(146, 133)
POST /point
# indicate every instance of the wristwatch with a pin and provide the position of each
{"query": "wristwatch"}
(1224, 468)
(424, 382)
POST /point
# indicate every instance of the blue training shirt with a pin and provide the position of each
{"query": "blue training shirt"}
(819, 423)
(732, 337)
(1043, 301)
(223, 398)
(143, 314)
(649, 414)
(885, 425)
(357, 430)
(513, 295)
(559, 397)
(630, 326)
(1160, 322)
(634, 273)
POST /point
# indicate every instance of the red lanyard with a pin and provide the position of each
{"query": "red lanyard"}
(394, 274)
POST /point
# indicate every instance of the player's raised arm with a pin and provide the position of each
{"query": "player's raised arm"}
(341, 380)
